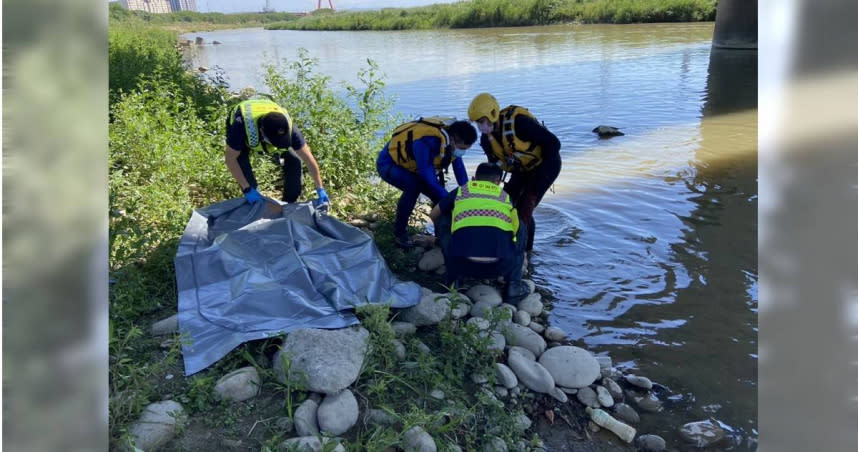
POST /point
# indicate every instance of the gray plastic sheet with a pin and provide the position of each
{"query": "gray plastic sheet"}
(251, 271)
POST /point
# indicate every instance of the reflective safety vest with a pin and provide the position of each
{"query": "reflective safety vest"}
(251, 111)
(514, 153)
(482, 203)
(401, 145)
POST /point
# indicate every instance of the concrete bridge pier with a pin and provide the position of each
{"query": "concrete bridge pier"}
(735, 25)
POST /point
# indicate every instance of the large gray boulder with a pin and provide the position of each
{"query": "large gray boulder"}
(239, 385)
(531, 373)
(571, 367)
(325, 361)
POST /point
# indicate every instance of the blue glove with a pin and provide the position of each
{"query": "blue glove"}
(252, 195)
(323, 197)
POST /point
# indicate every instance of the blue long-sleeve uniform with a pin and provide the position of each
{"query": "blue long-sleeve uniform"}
(412, 184)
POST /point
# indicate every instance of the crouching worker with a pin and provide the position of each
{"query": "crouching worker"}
(414, 160)
(480, 233)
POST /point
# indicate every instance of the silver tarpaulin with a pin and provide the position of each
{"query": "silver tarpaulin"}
(247, 272)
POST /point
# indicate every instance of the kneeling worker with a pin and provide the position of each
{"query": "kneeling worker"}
(410, 160)
(480, 233)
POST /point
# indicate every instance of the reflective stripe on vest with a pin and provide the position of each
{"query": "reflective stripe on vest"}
(251, 111)
(483, 204)
(511, 150)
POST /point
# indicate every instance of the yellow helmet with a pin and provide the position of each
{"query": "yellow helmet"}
(484, 105)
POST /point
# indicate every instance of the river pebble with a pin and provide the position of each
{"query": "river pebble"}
(651, 443)
(552, 333)
(588, 397)
(306, 422)
(505, 376)
(536, 327)
(604, 397)
(239, 385)
(483, 292)
(524, 337)
(571, 367)
(403, 328)
(417, 440)
(641, 382)
(532, 374)
(702, 433)
(626, 413)
(532, 304)
(521, 317)
(613, 388)
(338, 413)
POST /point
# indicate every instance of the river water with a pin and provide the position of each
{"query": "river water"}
(649, 240)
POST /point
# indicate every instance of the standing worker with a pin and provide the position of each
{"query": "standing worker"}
(513, 139)
(414, 161)
(260, 125)
(480, 233)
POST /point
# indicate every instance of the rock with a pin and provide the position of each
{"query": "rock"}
(305, 418)
(570, 391)
(522, 351)
(338, 413)
(238, 385)
(524, 337)
(646, 402)
(651, 443)
(626, 413)
(521, 423)
(399, 349)
(604, 362)
(501, 392)
(403, 328)
(325, 361)
(199, 40)
(203, 69)
(531, 286)
(536, 327)
(380, 417)
(359, 223)
(479, 323)
(531, 373)
(494, 444)
(479, 378)
(431, 260)
(483, 292)
(422, 348)
(571, 367)
(604, 397)
(532, 304)
(558, 394)
(498, 342)
(552, 333)
(442, 270)
(460, 309)
(481, 309)
(437, 394)
(157, 424)
(613, 388)
(309, 443)
(429, 311)
(417, 440)
(169, 325)
(702, 433)
(522, 318)
(641, 382)
(588, 397)
(216, 42)
(505, 376)
(607, 131)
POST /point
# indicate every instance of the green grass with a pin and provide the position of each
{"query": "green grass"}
(508, 13)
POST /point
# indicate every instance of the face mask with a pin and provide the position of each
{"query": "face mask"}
(459, 153)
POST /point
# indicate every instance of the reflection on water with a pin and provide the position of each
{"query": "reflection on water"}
(648, 241)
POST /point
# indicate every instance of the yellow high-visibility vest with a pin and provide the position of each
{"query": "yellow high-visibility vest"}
(251, 111)
(481, 203)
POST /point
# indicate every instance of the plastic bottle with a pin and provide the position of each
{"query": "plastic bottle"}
(603, 419)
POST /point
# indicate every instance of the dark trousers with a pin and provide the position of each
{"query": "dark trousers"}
(412, 185)
(510, 267)
(292, 173)
(526, 190)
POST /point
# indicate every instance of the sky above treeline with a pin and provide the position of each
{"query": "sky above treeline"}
(240, 6)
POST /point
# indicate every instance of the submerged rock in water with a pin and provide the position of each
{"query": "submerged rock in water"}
(702, 433)
(607, 131)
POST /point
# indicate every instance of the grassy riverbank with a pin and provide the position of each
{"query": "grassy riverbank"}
(190, 21)
(165, 159)
(508, 13)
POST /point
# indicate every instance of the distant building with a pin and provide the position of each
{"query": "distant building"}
(183, 5)
(150, 6)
